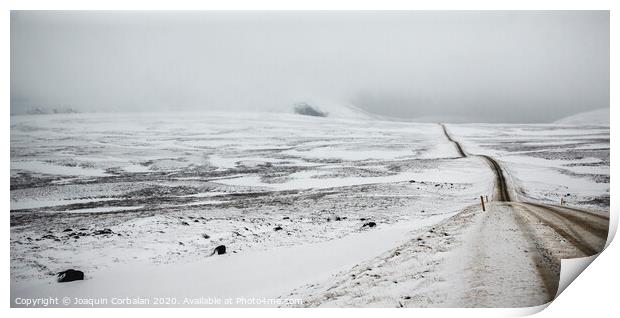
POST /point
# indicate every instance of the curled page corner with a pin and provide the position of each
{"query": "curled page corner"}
(613, 227)
(528, 311)
(571, 269)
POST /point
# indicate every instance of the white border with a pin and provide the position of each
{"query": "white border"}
(591, 294)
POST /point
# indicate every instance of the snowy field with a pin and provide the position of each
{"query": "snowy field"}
(139, 201)
(547, 163)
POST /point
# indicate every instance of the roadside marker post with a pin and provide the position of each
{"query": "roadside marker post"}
(482, 201)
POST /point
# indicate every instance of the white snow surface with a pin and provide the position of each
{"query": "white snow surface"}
(171, 187)
(264, 273)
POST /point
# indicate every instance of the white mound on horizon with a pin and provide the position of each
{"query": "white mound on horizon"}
(594, 117)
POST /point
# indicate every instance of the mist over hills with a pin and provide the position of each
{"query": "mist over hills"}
(594, 117)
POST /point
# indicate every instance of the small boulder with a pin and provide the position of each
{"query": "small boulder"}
(277, 228)
(101, 232)
(70, 275)
(219, 250)
(369, 224)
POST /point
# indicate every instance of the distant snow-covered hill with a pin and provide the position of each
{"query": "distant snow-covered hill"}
(595, 117)
(331, 110)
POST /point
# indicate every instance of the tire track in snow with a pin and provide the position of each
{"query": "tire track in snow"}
(602, 217)
(587, 222)
(564, 229)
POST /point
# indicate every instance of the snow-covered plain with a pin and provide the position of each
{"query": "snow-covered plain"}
(287, 194)
(547, 163)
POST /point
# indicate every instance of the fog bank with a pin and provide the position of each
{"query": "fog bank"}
(488, 66)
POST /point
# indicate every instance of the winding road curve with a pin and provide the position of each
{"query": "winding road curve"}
(555, 232)
(506, 256)
(458, 147)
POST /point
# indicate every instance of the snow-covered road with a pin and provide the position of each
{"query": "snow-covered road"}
(507, 255)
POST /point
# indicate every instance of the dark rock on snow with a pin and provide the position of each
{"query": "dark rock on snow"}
(334, 218)
(219, 250)
(104, 231)
(70, 275)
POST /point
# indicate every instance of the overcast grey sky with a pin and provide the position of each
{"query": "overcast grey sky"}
(493, 66)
